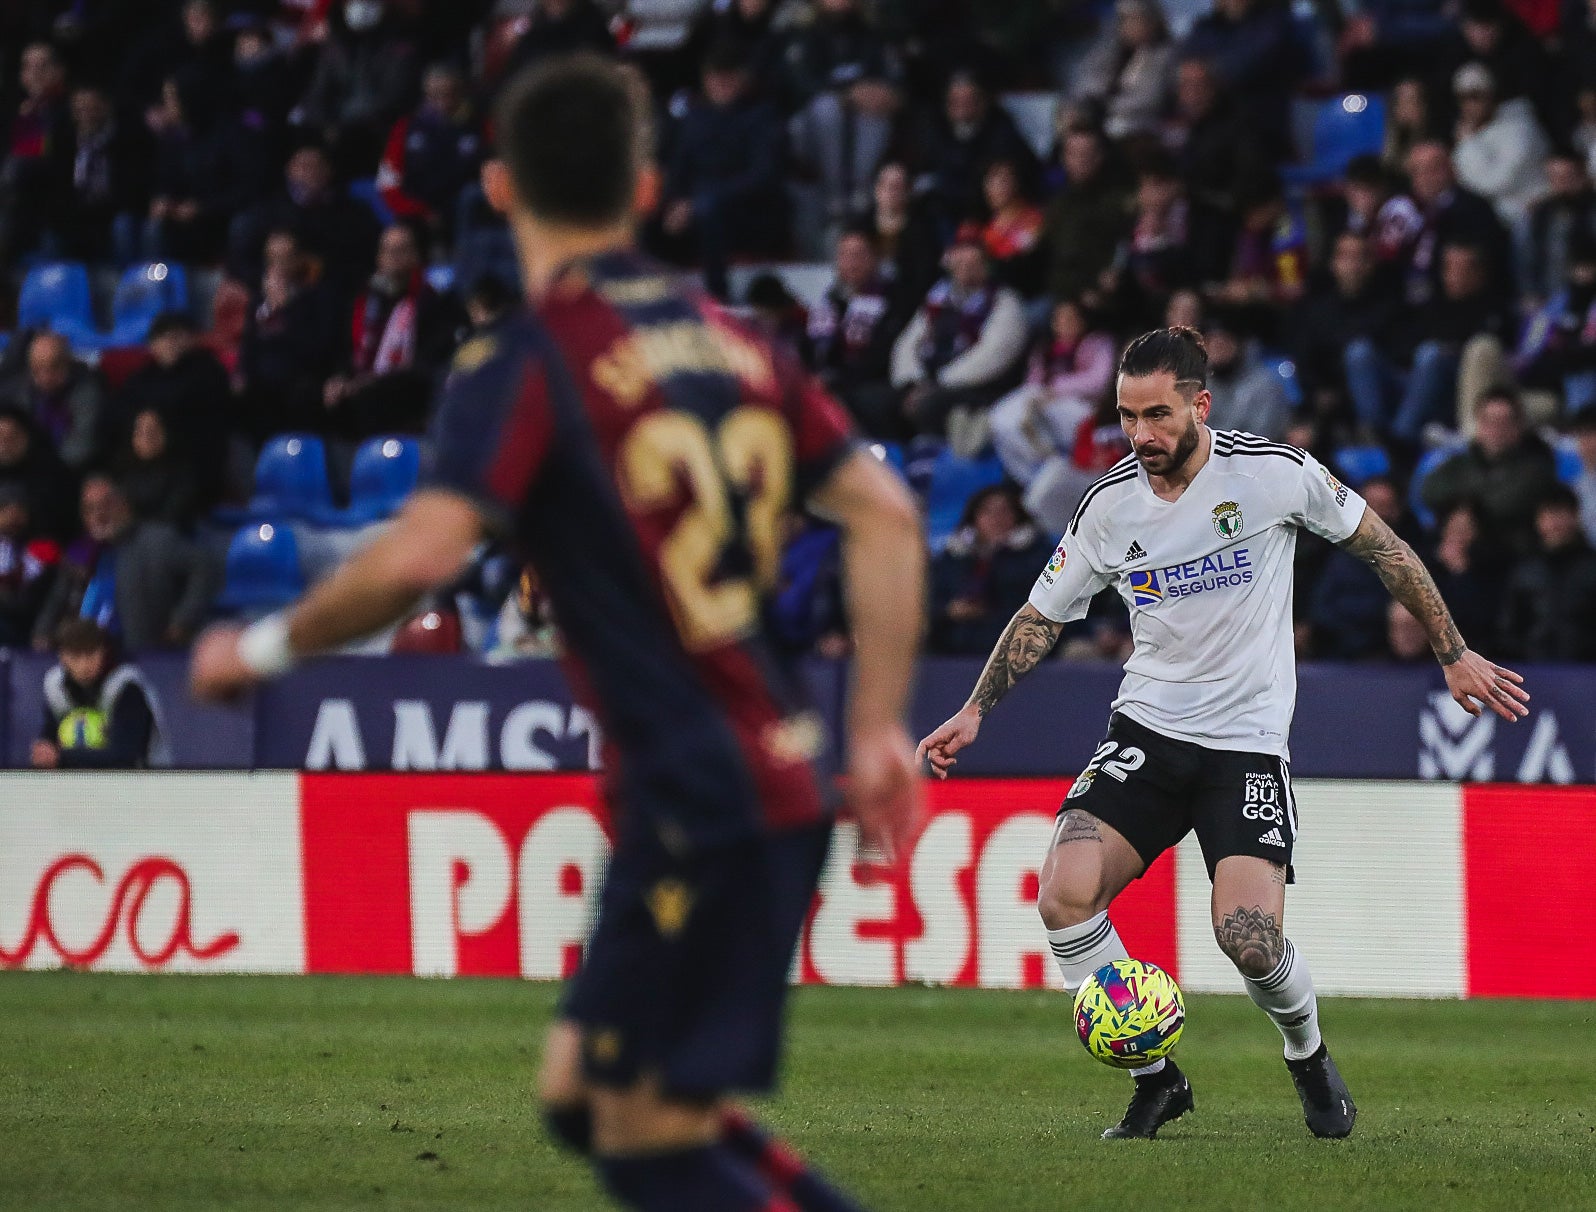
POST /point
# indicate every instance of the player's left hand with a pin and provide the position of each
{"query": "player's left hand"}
(1476, 684)
(884, 790)
(217, 674)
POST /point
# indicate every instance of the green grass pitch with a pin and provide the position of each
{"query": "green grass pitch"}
(293, 1093)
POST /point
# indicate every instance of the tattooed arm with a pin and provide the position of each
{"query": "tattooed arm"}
(1474, 682)
(1027, 639)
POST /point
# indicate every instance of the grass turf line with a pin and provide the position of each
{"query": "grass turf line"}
(298, 1093)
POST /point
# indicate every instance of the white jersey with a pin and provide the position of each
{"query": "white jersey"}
(1208, 580)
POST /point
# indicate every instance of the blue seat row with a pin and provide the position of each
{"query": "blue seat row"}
(56, 295)
(292, 483)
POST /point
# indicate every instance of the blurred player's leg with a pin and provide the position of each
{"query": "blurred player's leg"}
(1249, 913)
(781, 1165)
(562, 1093)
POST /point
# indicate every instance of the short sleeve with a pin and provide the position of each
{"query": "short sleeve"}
(493, 427)
(1323, 504)
(1068, 583)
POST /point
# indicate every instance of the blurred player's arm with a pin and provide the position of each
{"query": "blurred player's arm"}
(883, 559)
(426, 546)
(1474, 681)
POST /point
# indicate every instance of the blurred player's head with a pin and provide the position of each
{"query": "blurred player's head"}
(574, 157)
(1163, 397)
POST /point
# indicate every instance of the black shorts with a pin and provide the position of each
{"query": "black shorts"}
(686, 971)
(1153, 789)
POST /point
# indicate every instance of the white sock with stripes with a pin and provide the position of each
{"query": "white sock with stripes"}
(1286, 996)
(1081, 950)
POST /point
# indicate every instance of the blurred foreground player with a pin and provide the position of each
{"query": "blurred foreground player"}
(644, 451)
(1196, 529)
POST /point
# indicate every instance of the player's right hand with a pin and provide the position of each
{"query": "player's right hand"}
(941, 745)
(883, 790)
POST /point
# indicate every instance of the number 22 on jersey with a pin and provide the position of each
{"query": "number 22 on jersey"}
(748, 456)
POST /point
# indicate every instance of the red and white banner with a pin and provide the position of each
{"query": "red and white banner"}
(1404, 889)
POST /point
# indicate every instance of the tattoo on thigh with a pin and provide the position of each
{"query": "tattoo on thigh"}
(1076, 826)
(1252, 939)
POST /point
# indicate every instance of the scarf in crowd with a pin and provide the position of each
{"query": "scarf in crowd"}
(953, 325)
(385, 330)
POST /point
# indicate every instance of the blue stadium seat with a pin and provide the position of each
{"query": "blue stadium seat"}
(384, 473)
(1360, 464)
(365, 190)
(953, 482)
(144, 292)
(1428, 463)
(441, 278)
(263, 570)
(1569, 465)
(1352, 124)
(55, 295)
(1286, 371)
(291, 479)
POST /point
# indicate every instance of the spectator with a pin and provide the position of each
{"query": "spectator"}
(1412, 121)
(402, 336)
(294, 339)
(1469, 581)
(1248, 395)
(364, 77)
(1406, 641)
(1086, 219)
(560, 27)
(1013, 229)
(960, 352)
(262, 85)
(110, 186)
(207, 168)
(1348, 334)
(1505, 471)
(1213, 144)
(983, 575)
(807, 613)
(1348, 610)
(752, 25)
(36, 166)
(1041, 422)
(1557, 349)
(1501, 151)
(970, 133)
(29, 465)
(778, 314)
(723, 191)
(192, 47)
(160, 484)
(99, 712)
(326, 222)
(1451, 215)
(526, 628)
(1130, 73)
(63, 397)
(489, 301)
(1566, 214)
(1496, 39)
(185, 384)
(1252, 48)
(850, 336)
(1173, 243)
(433, 154)
(905, 236)
(141, 581)
(27, 564)
(1268, 263)
(1385, 36)
(1550, 598)
(847, 81)
(1583, 427)
(1378, 211)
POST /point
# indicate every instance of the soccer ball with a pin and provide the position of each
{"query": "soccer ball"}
(1129, 1014)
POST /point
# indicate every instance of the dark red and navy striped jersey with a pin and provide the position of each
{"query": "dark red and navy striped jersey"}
(645, 450)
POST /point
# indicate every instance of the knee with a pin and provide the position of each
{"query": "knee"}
(1065, 902)
(1252, 940)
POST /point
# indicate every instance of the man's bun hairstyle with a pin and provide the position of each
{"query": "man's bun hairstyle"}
(1179, 351)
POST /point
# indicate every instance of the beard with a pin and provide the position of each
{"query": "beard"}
(1161, 464)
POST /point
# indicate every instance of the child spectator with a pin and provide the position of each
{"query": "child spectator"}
(99, 712)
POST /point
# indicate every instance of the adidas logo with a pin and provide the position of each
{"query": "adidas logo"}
(1134, 552)
(1273, 838)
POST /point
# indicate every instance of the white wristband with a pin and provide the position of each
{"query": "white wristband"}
(263, 646)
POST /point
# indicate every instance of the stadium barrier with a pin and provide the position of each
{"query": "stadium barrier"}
(1405, 889)
(444, 713)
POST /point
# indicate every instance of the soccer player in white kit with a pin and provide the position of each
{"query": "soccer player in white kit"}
(1196, 529)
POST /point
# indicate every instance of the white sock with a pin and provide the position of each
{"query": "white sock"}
(1081, 950)
(1286, 996)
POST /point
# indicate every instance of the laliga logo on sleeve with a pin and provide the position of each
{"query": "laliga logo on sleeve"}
(1054, 565)
(1227, 519)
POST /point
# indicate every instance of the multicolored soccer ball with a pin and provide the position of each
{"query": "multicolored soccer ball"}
(1129, 1014)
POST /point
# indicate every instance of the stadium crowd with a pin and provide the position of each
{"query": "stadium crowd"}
(1383, 221)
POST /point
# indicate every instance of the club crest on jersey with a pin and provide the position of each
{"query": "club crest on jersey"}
(1227, 519)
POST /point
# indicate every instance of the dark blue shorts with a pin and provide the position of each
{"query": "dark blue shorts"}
(686, 971)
